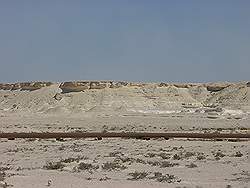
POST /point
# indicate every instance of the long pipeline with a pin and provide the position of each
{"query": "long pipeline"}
(47, 135)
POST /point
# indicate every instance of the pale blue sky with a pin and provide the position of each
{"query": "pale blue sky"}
(135, 40)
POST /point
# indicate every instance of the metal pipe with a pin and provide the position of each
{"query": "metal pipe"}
(46, 135)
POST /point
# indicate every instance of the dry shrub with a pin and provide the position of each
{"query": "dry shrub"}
(87, 166)
(113, 166)
(138, 175)
(54, 165)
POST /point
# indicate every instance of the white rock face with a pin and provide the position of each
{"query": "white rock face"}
(119, 97)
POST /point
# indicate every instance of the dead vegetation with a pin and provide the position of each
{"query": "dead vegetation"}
(238, 154)
(104, 178)
(109, 166)
(162, 164)
(165, 164)
(138, 175)
(2, 175)
(74, 159)
(54, 165)
(165, 178)
(87, 166)
(164, 155)
(157, 176)
(201, 156)
(191, 165)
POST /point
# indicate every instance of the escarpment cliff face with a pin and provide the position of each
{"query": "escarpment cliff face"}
(119, 97)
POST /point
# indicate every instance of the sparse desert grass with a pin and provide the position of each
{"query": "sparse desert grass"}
(138, 160)
(87, 166)
(238, 154)
(61, 148)
(115, 154)
(185, 155)
(162, 164)
(104, 179)
(150, 155)
(191, 165)
(53, 165)
(218, 154)
(157, 176)
(125, 159)
(164, 155)
(154, 163)
(4, 168)
(23, 149)
(2, 175)
(165, 164)
(138, 175)
(176, 157)
(189, 154)
(201, 156)
(74, 159)
(113, 166)
(165, 178)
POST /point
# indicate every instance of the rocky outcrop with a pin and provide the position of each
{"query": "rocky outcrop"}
(162, 84)
(99, 85)
(248, 84)
(34, 86)
(74, 86)
(180, 85)
(215, 87)
(137, 84)
(6, 86)
(118, 84)
(186, 85)
(78, 86)
(29, 86)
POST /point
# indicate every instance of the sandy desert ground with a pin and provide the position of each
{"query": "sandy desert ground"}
(128, 107)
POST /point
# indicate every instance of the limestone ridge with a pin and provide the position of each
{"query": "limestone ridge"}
(77, 86)
(86, 85)
(120, 96)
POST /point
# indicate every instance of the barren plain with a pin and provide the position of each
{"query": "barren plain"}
(108, 106)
